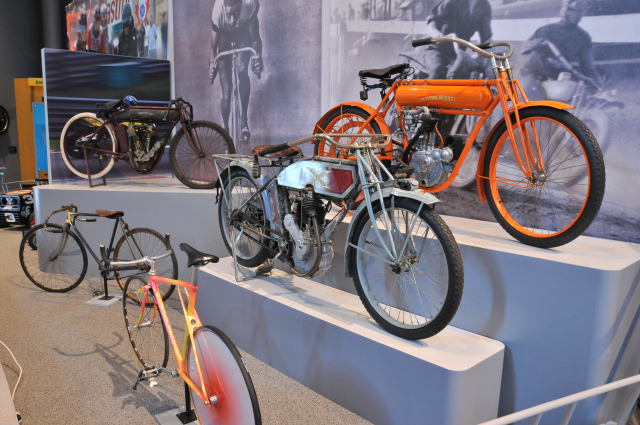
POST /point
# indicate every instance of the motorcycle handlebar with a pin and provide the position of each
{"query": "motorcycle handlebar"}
(329, 139)
(480, 48)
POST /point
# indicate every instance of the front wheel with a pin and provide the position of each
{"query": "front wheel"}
(224, 376)
(192, 163)
(139, 243)
(417, 295)
(100, 147)
(563, 196)
(57, 262)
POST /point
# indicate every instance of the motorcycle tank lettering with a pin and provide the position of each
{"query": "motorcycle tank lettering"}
(450, 97)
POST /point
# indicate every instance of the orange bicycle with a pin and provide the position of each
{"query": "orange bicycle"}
(215, 376)
(541, 171)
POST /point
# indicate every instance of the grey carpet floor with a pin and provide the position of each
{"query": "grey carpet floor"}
(79, 368)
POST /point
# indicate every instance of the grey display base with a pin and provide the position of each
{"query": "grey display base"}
(170, 418)
(323, 338)
(117, 298)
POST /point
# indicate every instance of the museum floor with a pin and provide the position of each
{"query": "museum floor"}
(78, 366)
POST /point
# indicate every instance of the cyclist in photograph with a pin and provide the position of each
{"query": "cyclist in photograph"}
(572, 42)
(462, 19)
(81, 41)
(127, 44)
(234, 25)
(96, 41)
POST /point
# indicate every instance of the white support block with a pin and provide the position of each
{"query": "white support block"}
(323, 338)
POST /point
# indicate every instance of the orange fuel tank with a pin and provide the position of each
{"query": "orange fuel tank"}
(449, 97)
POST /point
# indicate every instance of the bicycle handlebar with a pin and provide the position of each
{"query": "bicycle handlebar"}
(254, 55)
(71, 208)
(480, 48)
(329, 139)
(145, 259)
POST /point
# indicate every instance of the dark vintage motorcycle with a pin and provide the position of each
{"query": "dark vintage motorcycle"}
(91, 143)
(404, 261)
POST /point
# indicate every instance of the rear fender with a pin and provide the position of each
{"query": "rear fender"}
(479, 180)
(384, 128)
(361, 213)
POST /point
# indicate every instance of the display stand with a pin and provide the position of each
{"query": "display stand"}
(86, 161)
(324, 339)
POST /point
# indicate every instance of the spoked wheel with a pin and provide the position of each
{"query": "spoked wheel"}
(224, 376)
(249, 250)
(192, 163)
(146, 331)
(99, 148)
(418, 295)
(347, 119)
(562, 199)
(139, 243)
(58, 263)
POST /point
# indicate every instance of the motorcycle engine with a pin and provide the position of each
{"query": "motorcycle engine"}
(432, 165)
(143, 142)
(299, 225)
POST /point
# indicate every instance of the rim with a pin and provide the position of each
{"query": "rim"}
(223, 377)
(414, 296)
(147, 340)
(545, 208)
(241, 190)
(199, 167)
(74, 157)
(348, 123)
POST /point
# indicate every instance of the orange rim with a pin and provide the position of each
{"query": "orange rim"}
(346, 122)
(558, 197)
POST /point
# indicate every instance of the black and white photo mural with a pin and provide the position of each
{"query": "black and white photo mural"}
(295, 59)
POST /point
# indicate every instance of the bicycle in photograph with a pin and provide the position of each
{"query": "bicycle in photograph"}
(54, 257)
(235, 116)
(215, 376)
(90, 143)
(541, 171)
(404, 261)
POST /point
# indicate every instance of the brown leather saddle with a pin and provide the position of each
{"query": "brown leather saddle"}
(283, 153)
(110, 214)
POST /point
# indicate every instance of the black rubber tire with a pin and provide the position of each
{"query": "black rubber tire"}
(597, 175)
(354, 110)
(164, 267)
(222, 145)
(158, 353)
(222, 374)
(31, 266)
(454, 267)
(263, 253)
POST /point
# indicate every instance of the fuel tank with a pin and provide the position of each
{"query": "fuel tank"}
(448, 97)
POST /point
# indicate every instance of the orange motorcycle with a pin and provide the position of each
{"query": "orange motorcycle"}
(541, 170)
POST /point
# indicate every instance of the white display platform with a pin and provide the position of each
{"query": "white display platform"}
(567, 316)
(323, 338)
(7, 408)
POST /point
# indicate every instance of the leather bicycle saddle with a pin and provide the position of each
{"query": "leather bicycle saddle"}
(383, 73)
(109, 214)
(283, 153)
(195, 257)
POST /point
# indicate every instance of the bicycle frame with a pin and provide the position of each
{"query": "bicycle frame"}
(192, 322)
(509, 94)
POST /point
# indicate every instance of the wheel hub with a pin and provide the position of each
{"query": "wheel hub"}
(539, 178)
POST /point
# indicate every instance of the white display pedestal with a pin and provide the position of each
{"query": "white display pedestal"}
(324, 339)
(567, 316)
(7, 408)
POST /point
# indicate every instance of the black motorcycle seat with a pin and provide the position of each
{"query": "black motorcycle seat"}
(195, 257)
(281, 154)
(147, 114)
(383, 73)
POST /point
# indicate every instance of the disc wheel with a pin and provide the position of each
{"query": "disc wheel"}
(225, 376)
(346, 119)
(416, 296)
(48, 271)
(249, 249)
(139, 243)
(563, 197)
(99, 149)
(192, 163)
(146, 331)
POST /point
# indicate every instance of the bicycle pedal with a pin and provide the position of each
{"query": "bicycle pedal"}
(264, 270)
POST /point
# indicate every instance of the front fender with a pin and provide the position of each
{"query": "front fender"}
(479, 180)
(418, 195)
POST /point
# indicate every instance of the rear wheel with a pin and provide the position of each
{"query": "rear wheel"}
(57, 262)
(147, 335)
(249, 249)
(561, 200)
(224, 376)
(196, 168)
(346, 119)
(76, 134)
(139, 243)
